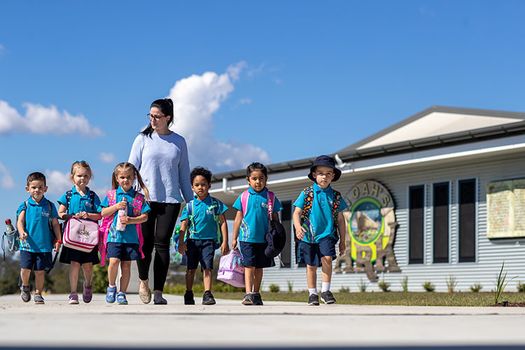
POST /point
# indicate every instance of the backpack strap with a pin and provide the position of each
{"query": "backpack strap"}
(244, 202)
(69, 194)
(103, 229)
(308, 194)
(138, 201)
(217, 217)
(335, 210)
(271, 200)
(190, 207)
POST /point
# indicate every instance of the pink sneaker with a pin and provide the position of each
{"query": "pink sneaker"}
(73, 299)
(87, 294)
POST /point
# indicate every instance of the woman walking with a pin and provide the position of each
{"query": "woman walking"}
(161, 156)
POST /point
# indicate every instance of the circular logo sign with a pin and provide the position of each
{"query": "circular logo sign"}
(366, 222)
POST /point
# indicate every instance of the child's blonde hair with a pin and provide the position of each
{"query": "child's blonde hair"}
(126, 166)
(82, 164)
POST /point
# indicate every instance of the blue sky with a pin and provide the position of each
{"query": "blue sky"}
(253, 80)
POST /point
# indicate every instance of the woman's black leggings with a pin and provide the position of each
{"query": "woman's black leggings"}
(157, 232)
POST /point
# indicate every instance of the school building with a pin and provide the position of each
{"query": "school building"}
(437, 197)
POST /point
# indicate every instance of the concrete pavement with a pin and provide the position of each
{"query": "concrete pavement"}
(230, 324)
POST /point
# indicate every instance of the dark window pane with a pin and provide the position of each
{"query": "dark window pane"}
(441, 222)
(467, 220)
(416, 224)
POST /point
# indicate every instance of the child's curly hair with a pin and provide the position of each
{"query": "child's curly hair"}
(202, 172)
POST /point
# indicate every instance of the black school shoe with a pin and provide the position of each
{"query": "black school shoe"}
(207, 298)
(327, 297)
(257, 299)
(188, 298)
(313, 299)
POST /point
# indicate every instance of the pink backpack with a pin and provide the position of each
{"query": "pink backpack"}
(108, 220)
(80, 235)
(231, 270)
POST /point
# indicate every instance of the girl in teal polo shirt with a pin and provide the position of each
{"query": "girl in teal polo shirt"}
(249, 229)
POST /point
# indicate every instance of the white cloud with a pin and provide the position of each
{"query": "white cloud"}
(58, 182)
(196, 99)
(39, 119)
(6, 180)
(245, 101)
(107, 157)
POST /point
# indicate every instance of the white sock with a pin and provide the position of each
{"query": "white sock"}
(112, 286)
(325, 287)
(312, 291)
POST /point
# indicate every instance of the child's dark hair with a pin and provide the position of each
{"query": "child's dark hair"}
(166, 107)
(123, 167)
(202, 172)
(36, 176)
(256, 166)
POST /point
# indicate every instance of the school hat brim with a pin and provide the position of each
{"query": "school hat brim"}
(327, 162)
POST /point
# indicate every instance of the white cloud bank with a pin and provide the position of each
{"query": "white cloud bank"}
(57, 181)
(6, 180)
(196, 99)
(39, 119)
(107, 158)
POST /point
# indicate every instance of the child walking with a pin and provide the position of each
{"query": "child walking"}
(121, 237)
(81, 203)
(39, 231)
(250, 227)
(317, 219)
(206, 229)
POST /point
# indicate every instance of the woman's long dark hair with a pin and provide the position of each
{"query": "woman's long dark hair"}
(166, 107)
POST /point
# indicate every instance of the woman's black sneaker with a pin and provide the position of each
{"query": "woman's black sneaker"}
(257, 299)
(188, 298)
(327, 297)
(313, 299)
(207, 298)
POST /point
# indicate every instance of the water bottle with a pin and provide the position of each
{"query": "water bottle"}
(121, 212)
(11, 235)
(9, 228)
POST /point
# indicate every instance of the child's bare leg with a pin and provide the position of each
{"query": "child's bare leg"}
(207, 279)
(87, 268)
(113, 270)
(39, 281)
(326, 268)
(74, 269)
(257, 280)
(190, 276)
(249, 273)
(125, 268)
(311, 276)
(24, 275)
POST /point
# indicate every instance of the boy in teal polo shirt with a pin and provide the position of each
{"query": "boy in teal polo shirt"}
(203, 228)
(317, 219)
(39, 230)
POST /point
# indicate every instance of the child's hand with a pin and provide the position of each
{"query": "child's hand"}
(234, 244)
(57, 245)
(22, 235)
(124, 219)
(182, 247)
(342, 246)
(299, 232)
(121, 205)
(224, 248)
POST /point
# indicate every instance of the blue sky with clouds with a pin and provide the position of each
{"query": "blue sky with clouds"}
(252, 80)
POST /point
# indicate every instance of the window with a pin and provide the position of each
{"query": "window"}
(416, 204)
(286, 220)
(467, 220)
(441, 222)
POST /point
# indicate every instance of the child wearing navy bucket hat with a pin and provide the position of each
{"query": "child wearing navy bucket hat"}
(319, 223)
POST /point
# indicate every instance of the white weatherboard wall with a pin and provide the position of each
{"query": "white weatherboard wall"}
(490, 253)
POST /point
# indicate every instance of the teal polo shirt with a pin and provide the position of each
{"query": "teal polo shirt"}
(79, 203)
(204, 225)
(321, 220)
(130, 234)
(255, 222)
(40, 236)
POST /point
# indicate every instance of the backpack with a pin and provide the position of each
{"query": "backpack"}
(104, 227)
(231, 270)
(80, 234)
(276, 234)
(216, 217)
(50, 223)
(307, 209)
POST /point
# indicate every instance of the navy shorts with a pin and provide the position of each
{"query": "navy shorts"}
(253, 255)
(200, 250)
(311, 253)
(36, 261)
(123, 251)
